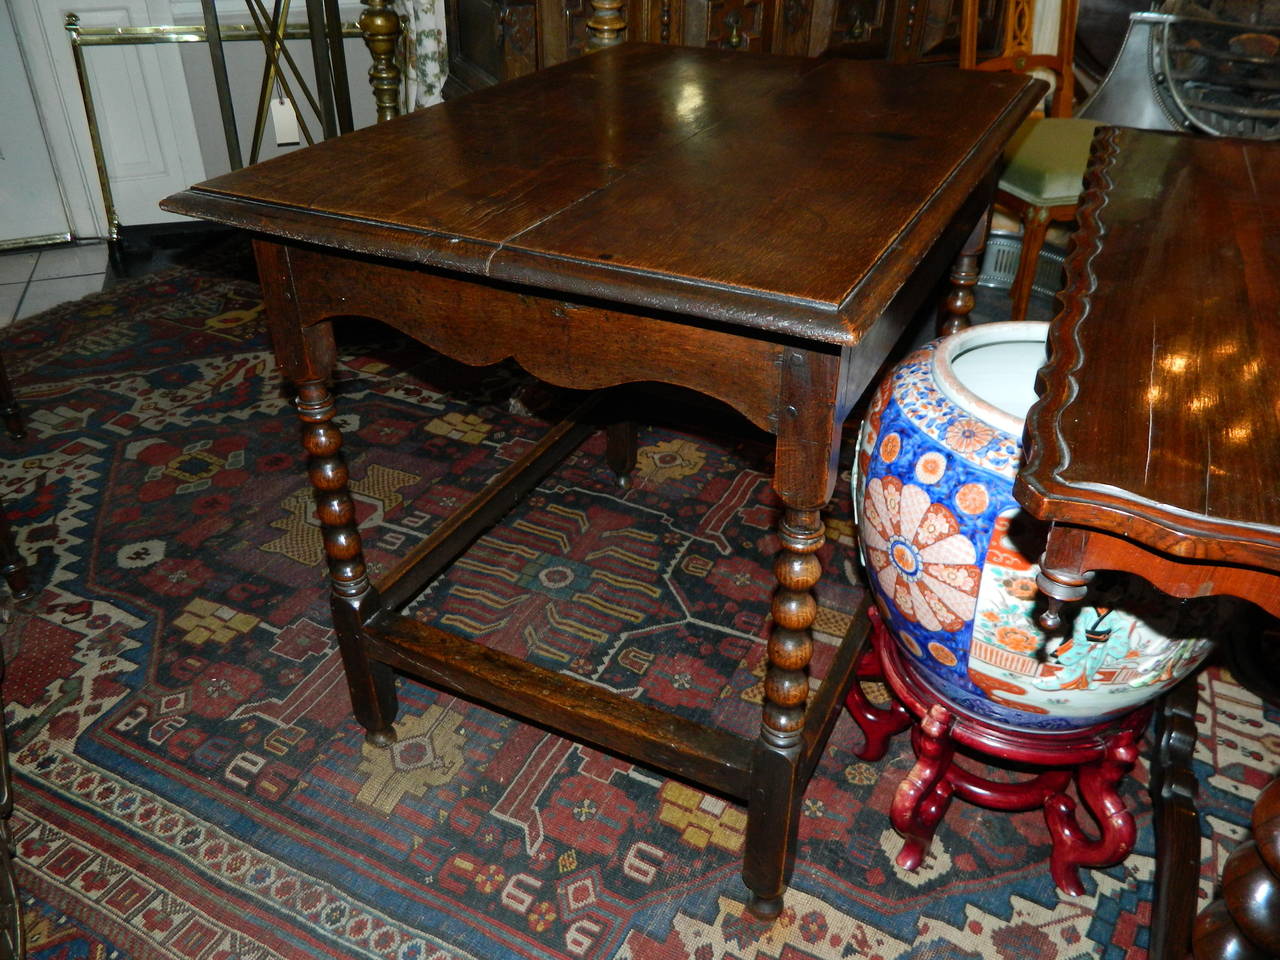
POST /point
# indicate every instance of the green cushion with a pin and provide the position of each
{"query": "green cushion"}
(1047, 159)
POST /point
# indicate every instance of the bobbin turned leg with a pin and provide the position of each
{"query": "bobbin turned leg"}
(964, 277)
(302, 340)
(354, 601)
(774, 806)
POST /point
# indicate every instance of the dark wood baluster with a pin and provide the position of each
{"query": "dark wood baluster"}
(372, 684)
(1244, 923)
(381, 28)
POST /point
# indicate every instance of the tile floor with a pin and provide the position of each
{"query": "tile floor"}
(37, 279)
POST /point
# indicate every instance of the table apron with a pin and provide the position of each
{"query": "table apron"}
(566, 343)
(1071, 552)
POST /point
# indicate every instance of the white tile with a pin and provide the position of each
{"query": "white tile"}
(43, 294)
(10, 294)
(71, 261)
(17, 267)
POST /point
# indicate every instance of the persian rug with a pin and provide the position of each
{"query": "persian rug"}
(190, 783)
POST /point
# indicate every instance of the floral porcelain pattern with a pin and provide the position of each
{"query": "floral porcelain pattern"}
(426, 53)
(947, 548)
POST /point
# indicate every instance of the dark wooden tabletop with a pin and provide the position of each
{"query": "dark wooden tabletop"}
(788, 193)
(1160, 411)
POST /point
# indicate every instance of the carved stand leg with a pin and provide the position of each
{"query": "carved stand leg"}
(1096, 783)
(774, 807)
(372, 684)
(878, 724)
(964, 277)
(925, 793)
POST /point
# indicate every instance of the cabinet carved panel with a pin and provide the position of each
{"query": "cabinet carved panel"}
(493, 40)
(739, 25)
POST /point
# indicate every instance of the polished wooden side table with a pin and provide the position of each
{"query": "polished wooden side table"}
(1155, 444)
(759, 229)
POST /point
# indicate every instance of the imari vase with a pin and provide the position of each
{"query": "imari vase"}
(950, 555)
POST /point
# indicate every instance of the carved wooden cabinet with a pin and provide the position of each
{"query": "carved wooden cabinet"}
(493, 40)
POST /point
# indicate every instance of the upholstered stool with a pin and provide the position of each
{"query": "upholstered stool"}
(1041, 185)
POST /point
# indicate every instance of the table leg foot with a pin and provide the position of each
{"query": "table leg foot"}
(878, 724)
(620, 450)
(765, 908)
(10, 412)
(371, 683)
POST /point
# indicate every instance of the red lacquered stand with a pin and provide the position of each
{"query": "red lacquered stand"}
(1096, 758)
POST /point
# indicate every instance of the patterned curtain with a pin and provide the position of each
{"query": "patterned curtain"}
(426, 54)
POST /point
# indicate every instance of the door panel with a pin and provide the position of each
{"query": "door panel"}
(31, 207)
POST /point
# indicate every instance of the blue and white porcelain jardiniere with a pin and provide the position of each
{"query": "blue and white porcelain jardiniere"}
(950, 554)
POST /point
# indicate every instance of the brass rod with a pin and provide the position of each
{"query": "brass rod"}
(324, 73)
(338, 61)
(225, 106)
(72, 24)
(279, 14)
(195, 33)
(261, 17)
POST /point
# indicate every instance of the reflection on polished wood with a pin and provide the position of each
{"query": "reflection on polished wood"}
(1155, 444)
(644, 214)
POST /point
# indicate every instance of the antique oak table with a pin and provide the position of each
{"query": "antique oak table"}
(1155, 444)
(758, 229)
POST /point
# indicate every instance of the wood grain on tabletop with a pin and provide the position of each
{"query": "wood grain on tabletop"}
(1178, 418)
(778, 178)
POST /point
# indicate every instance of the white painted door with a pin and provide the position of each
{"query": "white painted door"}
(31, 207)
(140, 94)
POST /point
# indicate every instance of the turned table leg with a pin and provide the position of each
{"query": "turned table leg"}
(808, 447)
(774, 806)
(964, 277)
(304, 349)
(354, 601)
